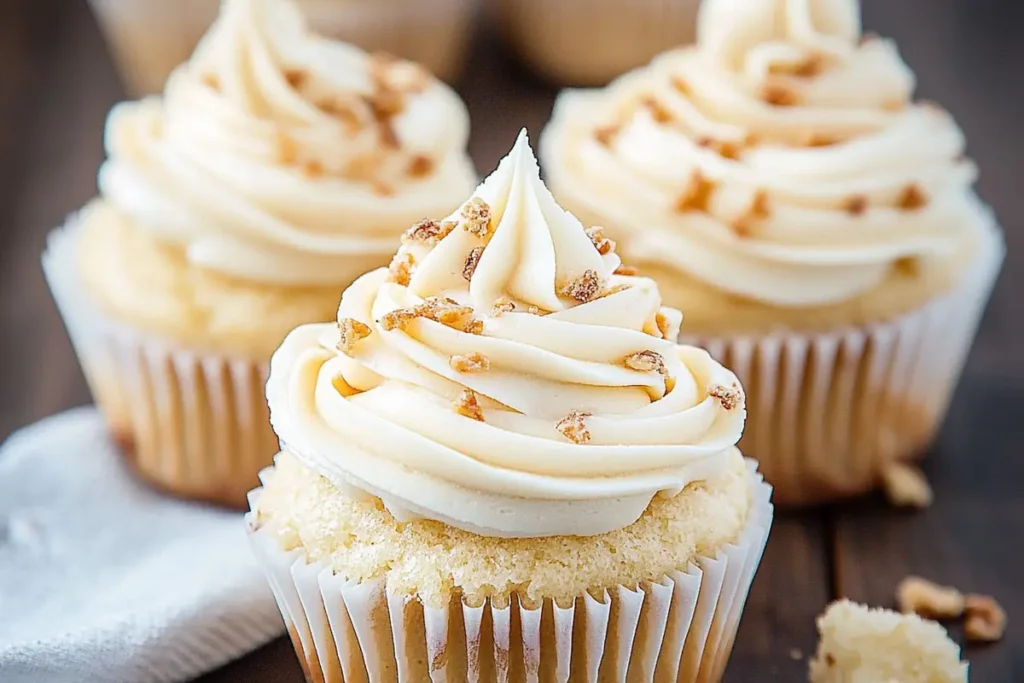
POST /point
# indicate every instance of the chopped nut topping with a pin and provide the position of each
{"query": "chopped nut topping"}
(471, 261)
(287, 150)
(680, 85)
(908, 266)
(351, 331)
(658, 110)
(729, 397)
(444, 311)
(661, 321)
(912, 198)
(856, 205)
(574, 427)
(313, 169)
(601, 243)
(428, 231)
(584, 288)
(400, 270)
(726, 149)
(211, 81)
(473, 362)
(645, 361)
(533, 310)
(695, 196)
(474, 327)
(813, 139)
(779, 96)
(606, 134)
(388, 136)
(502, 305)
(758, 211)
(809, 67)
(927, 599)
(476, 217)
(906, 486)
(296, 78)
(628, 271)
(985, 621)
(386, 103)
(420, 166)
(468, 406)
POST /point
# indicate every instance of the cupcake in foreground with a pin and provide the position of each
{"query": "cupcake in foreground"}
(818, 226)
(276, 168)
(499, 465)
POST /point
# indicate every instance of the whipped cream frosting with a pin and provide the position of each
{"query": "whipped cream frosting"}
(501, 378)
(277, 156)
(780, 159)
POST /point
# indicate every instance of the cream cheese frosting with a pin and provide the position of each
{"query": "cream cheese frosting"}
(277, 156)
(780, 159)
(501, 376)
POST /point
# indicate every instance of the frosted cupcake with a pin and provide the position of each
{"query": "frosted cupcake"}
(499, 465)
(819, 227)
(276, 168)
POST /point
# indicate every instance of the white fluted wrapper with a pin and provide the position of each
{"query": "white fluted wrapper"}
(190, 422)
(827, 412)
(680, 627)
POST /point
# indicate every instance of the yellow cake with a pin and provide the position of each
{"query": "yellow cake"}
(498, 463)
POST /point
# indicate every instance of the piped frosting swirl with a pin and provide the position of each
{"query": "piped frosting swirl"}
(502, 378)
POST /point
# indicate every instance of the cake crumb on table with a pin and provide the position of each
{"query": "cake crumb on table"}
(985, 619)
(927, 599)
(906, 486)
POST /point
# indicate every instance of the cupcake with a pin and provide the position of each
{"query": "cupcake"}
(579, 42)
(149, 38)
(499, 465)
(819, 226)
(275, 169)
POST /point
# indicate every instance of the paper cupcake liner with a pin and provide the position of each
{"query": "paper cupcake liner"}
(679, 628)
(436, 34)
(190, 422)
(827, 412)
(587, 43)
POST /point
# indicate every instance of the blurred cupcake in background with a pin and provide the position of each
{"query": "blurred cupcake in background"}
(818, 226)
(590, 42)
(149, 38)
(498, 465)
(276, 168)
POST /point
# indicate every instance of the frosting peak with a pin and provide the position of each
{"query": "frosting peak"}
(278, 156)
(503, 378)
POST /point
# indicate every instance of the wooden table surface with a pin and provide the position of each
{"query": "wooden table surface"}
(57, 83)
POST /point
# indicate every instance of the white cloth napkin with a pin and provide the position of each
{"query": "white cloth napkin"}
(103, 579)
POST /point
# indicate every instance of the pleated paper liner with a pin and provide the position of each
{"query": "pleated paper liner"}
(590, 42)
(826, 412)
(192, 423)
(679, 628)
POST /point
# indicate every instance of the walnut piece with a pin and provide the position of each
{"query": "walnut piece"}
(906, 486)
(725, 148)
(296, 78)
(400, 270)
(779, 96)
(911, 198)
(985, 619)
(472, 362)
(729, 397)
(584, 288)
(606, 134)
(469, 267)
(658, 111)
(502, 305)
(930, 600)
(467, 405)
(445, 311)
(476, 217)
(628, 271)
(473, 327)
(695, 196)
(420, 166)
(662, 323)
(574, 427)
(350, 331)
(428, 231)
(856, 205)
(601, 243)
(646, 361)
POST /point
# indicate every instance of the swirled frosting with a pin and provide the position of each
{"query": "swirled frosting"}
(780, 159)
(278, 156)
(500, 377)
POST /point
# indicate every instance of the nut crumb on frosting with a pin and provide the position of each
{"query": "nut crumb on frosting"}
(400, 269)
(906, 486)
(313, 169)
(729, 397)
(985, 619)
(467, 405)
(533, 310)
(469, 267)
(584, 288)
(758, 210)
(856, 205)
(912, 197)
(661, 322)
(287, 149)
(809, 67)
(502, 305)
(695, 196)
(574, 427)
(296, 78)
(927, 599)
(779, 96)
(657, 109)
(476, 217)
(211, 81)
(601, 243)
(420, 166)
(725, 148)
(646, 361)
(606, 134)
(351, 331)
(627, 271)
(473, 327)
(428, 231)
(445, 311)
(814, 139)
(471, 362)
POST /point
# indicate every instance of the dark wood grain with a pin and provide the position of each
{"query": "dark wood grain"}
(57, 83)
